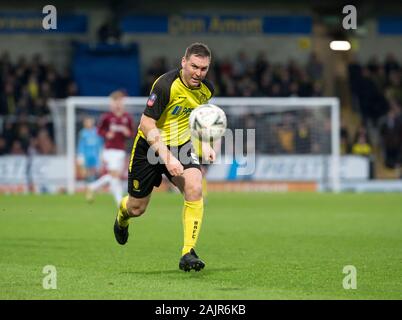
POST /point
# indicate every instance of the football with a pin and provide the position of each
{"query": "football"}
(207, 122)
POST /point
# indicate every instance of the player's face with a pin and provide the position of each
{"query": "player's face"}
(117, 106)
(88, 123)
(195, 69)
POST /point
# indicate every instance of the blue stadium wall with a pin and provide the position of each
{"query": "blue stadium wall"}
(101, 69)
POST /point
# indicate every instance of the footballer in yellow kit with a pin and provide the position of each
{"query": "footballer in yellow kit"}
(163, 146)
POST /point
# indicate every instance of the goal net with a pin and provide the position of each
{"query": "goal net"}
(268, 139)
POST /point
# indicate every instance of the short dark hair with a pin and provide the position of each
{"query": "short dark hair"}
(198, 49)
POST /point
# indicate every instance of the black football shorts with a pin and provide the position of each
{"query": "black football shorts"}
(146, 168)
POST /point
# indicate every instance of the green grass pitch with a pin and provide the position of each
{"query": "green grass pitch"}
(255, 245)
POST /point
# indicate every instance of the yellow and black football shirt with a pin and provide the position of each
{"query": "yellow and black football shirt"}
(170, 104)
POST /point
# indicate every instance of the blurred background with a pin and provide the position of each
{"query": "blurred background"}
(259, 48)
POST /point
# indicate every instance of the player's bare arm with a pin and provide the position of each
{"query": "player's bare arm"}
(151, 132)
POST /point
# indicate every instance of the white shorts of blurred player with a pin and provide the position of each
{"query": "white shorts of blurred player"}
(114, 159)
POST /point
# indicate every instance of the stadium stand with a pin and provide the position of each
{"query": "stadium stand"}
(377, 98)
(26, 86)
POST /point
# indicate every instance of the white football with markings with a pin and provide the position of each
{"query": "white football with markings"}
(208, 122)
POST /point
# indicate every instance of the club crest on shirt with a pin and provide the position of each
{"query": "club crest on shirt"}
(136, 184)
(151, 99)
(203, 98)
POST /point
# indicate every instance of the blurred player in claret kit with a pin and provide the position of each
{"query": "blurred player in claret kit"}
(115, 126)
(164, 127)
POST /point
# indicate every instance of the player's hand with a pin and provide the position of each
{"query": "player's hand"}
(208, 153)
(174, 167)
(109, 135)
(126, 132)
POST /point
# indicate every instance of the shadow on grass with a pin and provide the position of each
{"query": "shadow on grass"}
(177, 271)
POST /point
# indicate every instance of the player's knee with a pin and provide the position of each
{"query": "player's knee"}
(193, 192)
(136, 209)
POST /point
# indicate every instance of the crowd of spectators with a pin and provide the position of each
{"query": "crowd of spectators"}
(244, 76)
(377, 95)
(25, 121)
(376, 89)
(27, 84)
(290, 132)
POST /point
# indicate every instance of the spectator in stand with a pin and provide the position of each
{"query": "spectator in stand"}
(391, 132)
(265, 83)
(45, 144)
(321, 137)
(314, 67)
(17, 148)
(8, 99)
(391, 64)
(303, 137)
(362, 147)
(380, 78)
(294, 89)
(8, 132)
(362, 131)
(345, 143)
(261, 66)
(286, 134)
(247, 87)
(3, 146)
(317, 89)
(44, 123)
(276, 90)
(355, 76)
(294, 70)
(373, 64)
(369, 97)
(230, 90)
(33, 86)
(24, 136)
(284, 80)
(241, 65)
(72, 89)
(306, 87)
(394, 88)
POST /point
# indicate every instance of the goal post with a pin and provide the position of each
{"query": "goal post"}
(268, 116)
(261, 105)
